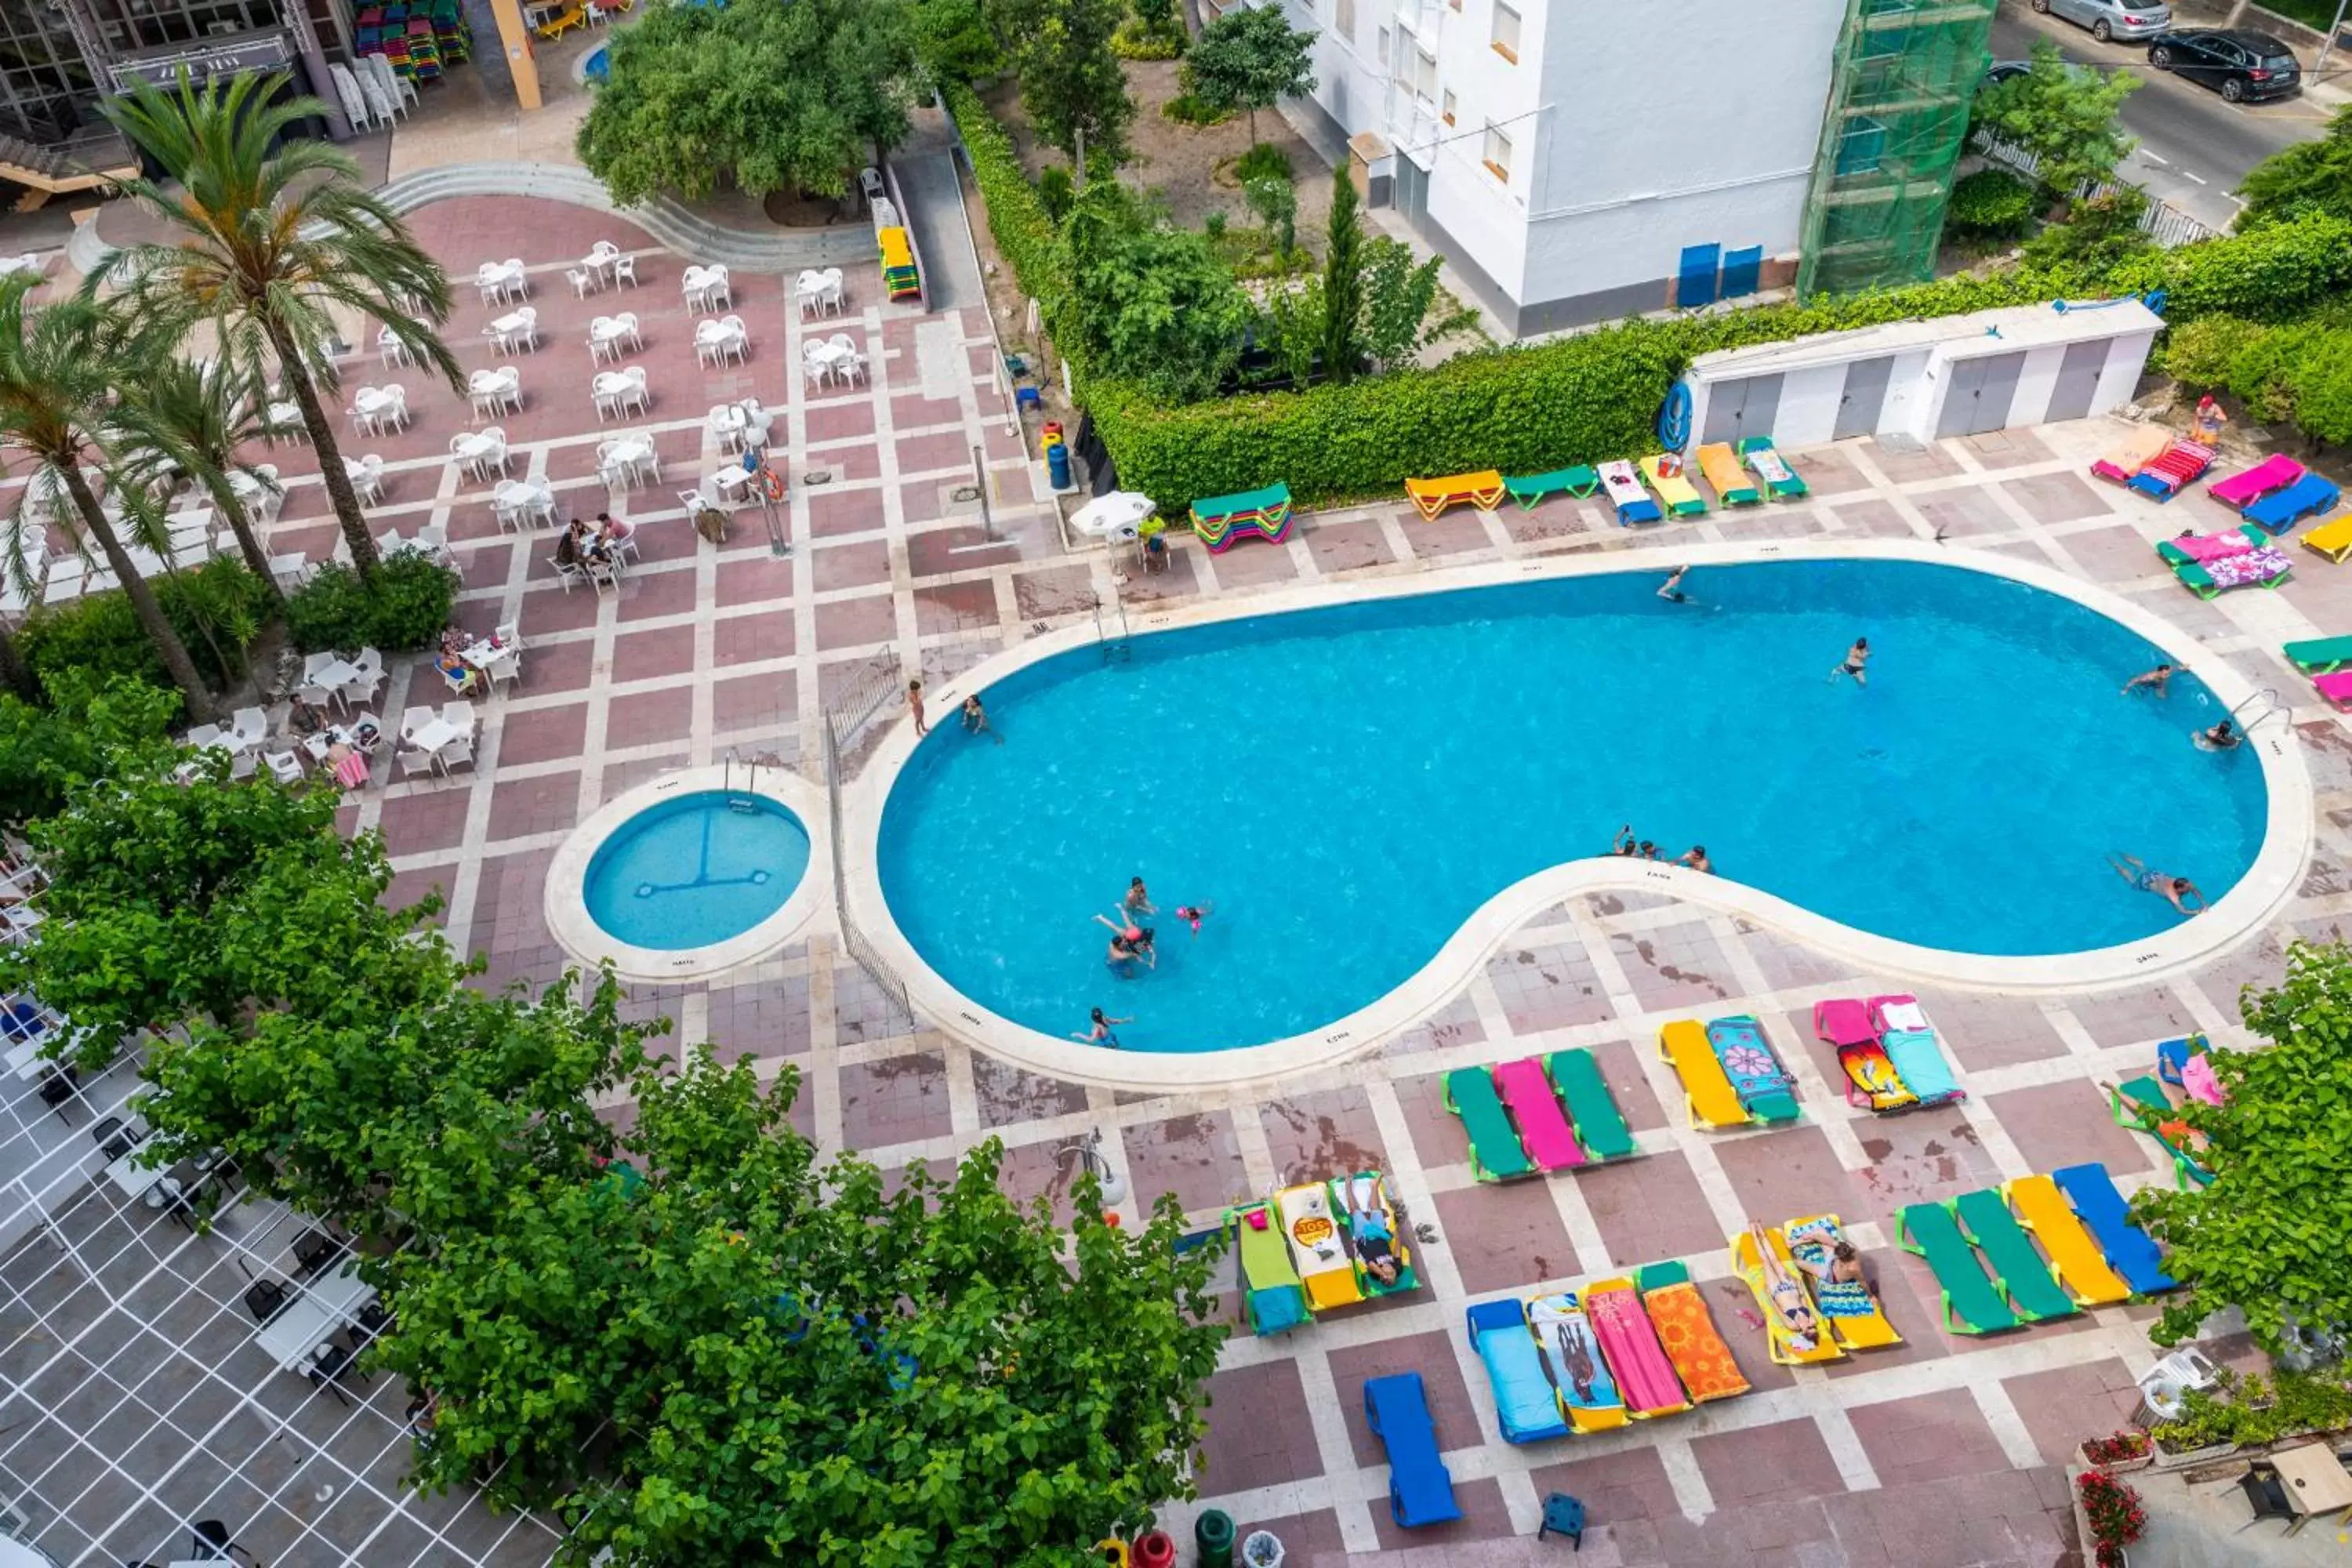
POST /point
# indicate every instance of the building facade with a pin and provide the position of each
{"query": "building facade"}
(1578, 161)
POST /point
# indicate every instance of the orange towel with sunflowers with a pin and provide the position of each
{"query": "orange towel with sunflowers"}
(1701, 1358)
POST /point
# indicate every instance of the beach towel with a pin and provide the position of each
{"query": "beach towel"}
(1525, 1405)
(2197, 1077)
(2251, 568)
(1844, 1021)
(1544, 1132)
(1645, 1376)
(1687, 1330)
(1897, 1011)
(1784, 1347)
(2127, 456)
(1323, 1264)
(1578, 1372)
(1756, 1074)
(1920, 1062)
(2207, 548)
(1853, 1314)
(1872, 1081)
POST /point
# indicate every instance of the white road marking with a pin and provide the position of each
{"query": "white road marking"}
(2159, 163)
(2187, 176)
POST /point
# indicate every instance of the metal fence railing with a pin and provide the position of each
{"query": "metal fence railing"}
(845, 721)
(2163, 223)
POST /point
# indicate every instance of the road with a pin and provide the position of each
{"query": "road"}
(2193, 147)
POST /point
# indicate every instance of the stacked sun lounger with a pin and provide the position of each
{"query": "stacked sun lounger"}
(1664, 471)
(1623, 481)
(2211, 564)
(1222, 521)
(1513, 1115)
(1781, 481)
(1981, 1248)
(1530, 488)
(1889, 1052)
(2180, 463)
(1484, 489)
(1720, 465)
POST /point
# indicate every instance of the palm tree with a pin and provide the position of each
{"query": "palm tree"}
(58, 369)
(268, 237)
(194, 417)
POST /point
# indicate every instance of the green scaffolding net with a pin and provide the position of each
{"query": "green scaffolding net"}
(1898, 112)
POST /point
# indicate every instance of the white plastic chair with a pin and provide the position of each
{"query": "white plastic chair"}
(414, 761)
(625, 268)
(581, 284)
(366, 475)
(250, 726)
(414, 718)
(457, 753)
(388, 350)
(496, 390)
(284, 766)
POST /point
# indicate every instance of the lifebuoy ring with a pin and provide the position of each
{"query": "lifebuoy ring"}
(772, 482)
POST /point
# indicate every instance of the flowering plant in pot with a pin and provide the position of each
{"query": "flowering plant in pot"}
(2127, 1449)
(2113, 1510)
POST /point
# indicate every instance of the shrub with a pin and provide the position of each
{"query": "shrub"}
(1991, 203)
(216, 608)
(2198, 353)
(1132, 41)
(2131, 1443)
(2114, 1511)
(1018, 219)
(1186, 110)
(405, 609)
(1055, 193)
(2254, 1411)
(1264, 160)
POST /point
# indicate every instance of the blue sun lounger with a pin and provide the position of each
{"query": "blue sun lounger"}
(1421, 1488)
(2281, 510)
(2131, 1251)
(1524, 1400)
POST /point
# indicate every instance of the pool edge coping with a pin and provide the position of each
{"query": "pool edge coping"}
(2289, 833)
(564, 900)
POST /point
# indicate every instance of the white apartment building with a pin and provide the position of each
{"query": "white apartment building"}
(1574, 159)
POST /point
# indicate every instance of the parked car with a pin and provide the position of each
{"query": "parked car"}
(2001, 71)
(2243, 67)
(2111, 19)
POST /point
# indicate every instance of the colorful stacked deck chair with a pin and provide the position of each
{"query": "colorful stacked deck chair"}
(1645, 1376)
(2042, 1209)
(1622, 482)
(2032, 1290)
(899, 278)
(1687, 1329)
(1495, 1152)
(2133, 453)
(1421, 1488)
(2210, 563)
(1580, 1374)
(1344, 1203)
(2141, 1104)
(2187, 1064)
(1843, 1024)
(1483, 490)
(2180, 463)
(1781, 481)
(1971, 1304)
(1544, 1133)
(1272, 1296)
(1529, 488)
(1910, 1045)
(2247, 486)
(1221, 522)
(1707, 1094)
(2281, 510)
(1848, 1310)
(1325, 1266)
(1720, 464)
(2130, 1251)
(1598, 1125)
(1675, 492)
(2332, 539)
(1524, 1403)
(1763, 1085)
(1779, 1341)
(2318, 656)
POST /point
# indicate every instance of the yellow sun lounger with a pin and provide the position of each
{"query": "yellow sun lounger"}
(1750, 1268)
(2332, 539)
(2082, 1268)
(1483, 490)
(1680, 496)
(1313, 1232)
(1707, 1093)
(1721, 466)
(1849, 1310)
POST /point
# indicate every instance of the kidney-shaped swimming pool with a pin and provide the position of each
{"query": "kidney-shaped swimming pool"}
(1344, 785)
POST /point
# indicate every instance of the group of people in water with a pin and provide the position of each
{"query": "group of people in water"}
(1133, 943)
(975, 716)
(1631, 849)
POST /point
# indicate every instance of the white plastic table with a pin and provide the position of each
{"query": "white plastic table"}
(434, 734)
(305, 1323)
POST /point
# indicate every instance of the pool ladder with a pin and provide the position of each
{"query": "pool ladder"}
(740, 804)
(1112, 648)
(2272, 708)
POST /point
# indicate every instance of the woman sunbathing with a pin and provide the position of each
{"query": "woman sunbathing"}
(1784, 1296)
(1368, 1227)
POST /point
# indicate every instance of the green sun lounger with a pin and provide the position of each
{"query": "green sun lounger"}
(1496, 1155)
(1272, 1293)
(1529, 488)
(1598, 1125)
(1971, 1304)
(2142, 1105)
(2320, 655)
(1781, 480)
(2033, 1291)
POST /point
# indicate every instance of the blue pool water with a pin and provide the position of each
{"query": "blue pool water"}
(695, 870)
(1347, 784)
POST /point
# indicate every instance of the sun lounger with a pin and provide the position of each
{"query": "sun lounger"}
(2318, 656)
(1222, 521)
(1525, 1401)
(1778, 1342)
(2332, 539)
(1530, 488)
(1544, 1133)
(2180, 463)
(2245, 486)
(1781, 480)
(2133, 453)
(1325, 1266)
(1369, 1282)
(1844, 1024)
(2042, 1209)
(1687, 1329)
(2130, 1251)
(1910, 1045)
(2025, 1280)
(1483, 490)
(2281, 510)
(2172, 1056)
(1495, 1152)
(1757, 1076)
(1272, 1296)
(1598, 1125)
(1421, 1488)
(1848, 1310)
(2336, 687)
(1720, 465)
(2187, 1064)
(1580, 1373)
(1622, 482)
(1971, 1304)
(1675, 492)
(2141, 1104)
(2209, 565)
(1707, 1093)
(1628, 1341)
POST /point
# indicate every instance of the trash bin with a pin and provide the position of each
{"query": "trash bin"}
(1212, 1534)
(1261, 1550)
(1154, 1549)
(1057, 465)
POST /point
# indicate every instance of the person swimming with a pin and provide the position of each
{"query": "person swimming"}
(2152, 679)
(1623, 843)
(1103, 1033)
(1646, 850)
(1671, 590)
(2222, 737)
(975, 720)
(1194, 914)
(1857, 658)
(2175, 891)
(1128, 942)
(1696, 859)
(1137, 901)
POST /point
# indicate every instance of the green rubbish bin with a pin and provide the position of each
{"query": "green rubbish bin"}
(1212, 1533)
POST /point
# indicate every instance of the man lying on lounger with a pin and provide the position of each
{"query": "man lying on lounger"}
(1787, 1298)
(1367, 1227)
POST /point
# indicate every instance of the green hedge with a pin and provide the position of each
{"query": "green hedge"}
(218, 609)
(404, 609)
(1017, 219)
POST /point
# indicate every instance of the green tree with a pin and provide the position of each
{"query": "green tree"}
(194, 417)
(741, 1357)
(954, 41)
(1071, 82)
(1249, 59)
(773, 98)
(2101, 232)
(2309, 176)
(2267, 1236)
(1275, 200)
(1150, 298)
(1293, 325)
(2064, 115)
(47, 749)
(1157, 19)
(1343, 283)
(1399, 297)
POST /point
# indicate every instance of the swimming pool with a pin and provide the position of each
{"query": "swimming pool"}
(695, 870)
(1349, 783)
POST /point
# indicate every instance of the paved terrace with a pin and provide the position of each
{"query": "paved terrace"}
(1943, 1452)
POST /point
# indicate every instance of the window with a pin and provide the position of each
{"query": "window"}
(1498, 156)
(1446, 109)
(1380, 46)
(1424, 73)
(1506, 32)
(1343, 21)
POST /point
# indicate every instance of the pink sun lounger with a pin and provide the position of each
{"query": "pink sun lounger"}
(2336, 687)
(1844, 1021)
(2242, 488)
(1544, 1131)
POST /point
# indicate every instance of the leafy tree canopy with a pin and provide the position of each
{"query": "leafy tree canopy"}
(952, 40)
(1152, 299)
(1071, 82)
(775, 97)
(1249, 59)
(2063, 114)
(46, 751)
(2308, 176)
